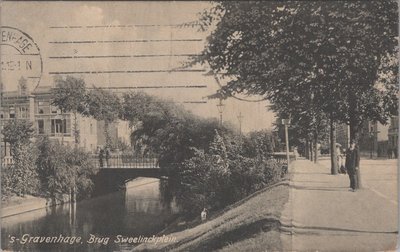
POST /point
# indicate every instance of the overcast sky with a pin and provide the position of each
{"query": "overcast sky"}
(126, 44)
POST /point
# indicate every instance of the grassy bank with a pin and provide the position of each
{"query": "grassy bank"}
(251, 224)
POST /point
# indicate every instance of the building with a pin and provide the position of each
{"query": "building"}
(343, 135)
(376, 139)
(35, 106)
(119, 131)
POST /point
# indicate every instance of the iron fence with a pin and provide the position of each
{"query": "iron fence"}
(126, 161)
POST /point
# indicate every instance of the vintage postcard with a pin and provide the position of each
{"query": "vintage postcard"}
(199, 126)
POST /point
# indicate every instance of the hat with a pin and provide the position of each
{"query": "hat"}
(338, 144)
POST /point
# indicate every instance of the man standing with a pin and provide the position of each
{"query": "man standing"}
(352, 165)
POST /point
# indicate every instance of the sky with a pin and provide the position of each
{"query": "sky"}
(124, 44)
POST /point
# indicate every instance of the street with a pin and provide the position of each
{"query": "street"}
(379, 175)
(323, 215)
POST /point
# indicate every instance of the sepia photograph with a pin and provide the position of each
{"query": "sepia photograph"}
(199, 126)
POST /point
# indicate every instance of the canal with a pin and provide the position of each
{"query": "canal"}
(139, 211)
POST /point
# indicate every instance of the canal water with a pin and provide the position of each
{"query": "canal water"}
(140, 212)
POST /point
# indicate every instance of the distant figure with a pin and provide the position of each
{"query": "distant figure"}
(389, 153)
(296, 153)
(203, 215)
(107, 156)
(101, 156)
(352, 165)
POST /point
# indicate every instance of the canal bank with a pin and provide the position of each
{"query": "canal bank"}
(18, 205)
(254, 222)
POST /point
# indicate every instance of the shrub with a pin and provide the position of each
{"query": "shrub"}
(222, 176)
(61, 169)
(21, 177)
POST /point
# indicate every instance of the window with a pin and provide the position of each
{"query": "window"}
(41, 111)
(40, 127)
(58, 126)
(53, 110)
(91, 128)
(12, 112)
(23, 111)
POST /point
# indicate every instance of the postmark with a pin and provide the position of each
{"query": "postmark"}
(20, 58)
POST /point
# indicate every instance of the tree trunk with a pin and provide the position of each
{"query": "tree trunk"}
(307, 149)
(311, 150)
(334, 160)
(315, 147)
(107, 134)
(354, 135)
(76, 130)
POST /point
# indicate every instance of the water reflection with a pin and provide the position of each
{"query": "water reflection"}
(140, 210)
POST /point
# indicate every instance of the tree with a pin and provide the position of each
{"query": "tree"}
(63, 170)
(103, 106)
(336, 49)
(21, 178)
(69, 95)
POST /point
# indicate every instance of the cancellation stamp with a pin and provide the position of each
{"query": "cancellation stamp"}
(20, 57)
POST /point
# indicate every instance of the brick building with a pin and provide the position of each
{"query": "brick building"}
(47, 119)
(35, 106)
(376, 139)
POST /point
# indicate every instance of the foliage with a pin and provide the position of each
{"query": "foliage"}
(20, 177)
(222, 175)
(284, 50)
(166, 128)
(6, 183)
(62, 168)
(212, 166)
(260, 144)
(136, 105)
(18, 132)
(69, 95)
(103, 106)
(84, 170)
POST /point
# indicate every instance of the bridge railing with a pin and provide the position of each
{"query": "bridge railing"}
(134, 161)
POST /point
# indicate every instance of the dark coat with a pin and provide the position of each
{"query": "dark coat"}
(352, 160)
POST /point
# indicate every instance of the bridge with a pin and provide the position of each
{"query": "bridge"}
(117, 169)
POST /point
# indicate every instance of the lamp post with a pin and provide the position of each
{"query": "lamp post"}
(240, 118)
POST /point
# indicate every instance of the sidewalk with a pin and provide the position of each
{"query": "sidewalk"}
(322, 215)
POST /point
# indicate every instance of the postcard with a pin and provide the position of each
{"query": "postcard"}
(199, 126)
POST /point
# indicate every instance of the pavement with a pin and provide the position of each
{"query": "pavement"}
(323, 215)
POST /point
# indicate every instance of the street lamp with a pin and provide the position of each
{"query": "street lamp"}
(240, 118)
